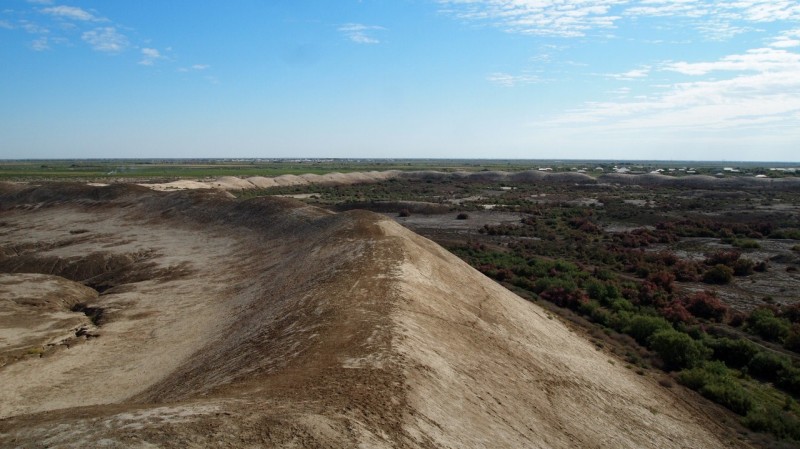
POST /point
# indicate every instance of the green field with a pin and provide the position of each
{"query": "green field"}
(171, 169)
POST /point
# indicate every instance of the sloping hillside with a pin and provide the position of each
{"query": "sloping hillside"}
(214, 322)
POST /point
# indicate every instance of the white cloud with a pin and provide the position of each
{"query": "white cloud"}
(720, 30)
(632, 74)
(195, 67)
(763, 92)
(668, 8)
(715, 19)
(787, 39)
(72, 13)
(360, 33)
(150, 56)
(746, 10)
(538, 17)
(40, 44)
(6, 25)
(759, 60)
(105, 39)
(33, 28)
(507, 80)
(763, 10)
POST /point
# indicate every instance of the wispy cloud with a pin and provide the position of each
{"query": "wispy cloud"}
(630, 75)
(764, 90)
(508, 80)
(150, 56)
(40, 44)
(360, 33)
(670, 8)
(33, 28)
(6, 25)
(787, 39)
(71, 13)
(745, 10)
(195, 67)
(106, 39)
(756, 60)
(538, 17)
(715, 19)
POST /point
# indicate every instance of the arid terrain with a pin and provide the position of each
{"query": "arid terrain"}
(134, 318)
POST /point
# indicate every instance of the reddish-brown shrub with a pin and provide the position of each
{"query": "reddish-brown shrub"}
(706, 305)
(723, 257)
(564, 298)
(677, 313)
(686, 271)
(662, 279)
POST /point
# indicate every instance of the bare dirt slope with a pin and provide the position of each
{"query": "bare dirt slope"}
(140, 319)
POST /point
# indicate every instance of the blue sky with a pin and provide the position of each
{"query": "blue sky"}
(599, 79)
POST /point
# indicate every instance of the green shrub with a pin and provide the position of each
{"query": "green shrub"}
(792, 341)
(594, 288)
(777, 422)
(620, 321)
(622, 305)
(764, 323)
(714, 381)
(768, 365)
(641, 327)
(785, 233)
(746, 243)
(743, 267)
(718, 274)
(789, 380)
(735, 353)
(730, 394)
(677, 349)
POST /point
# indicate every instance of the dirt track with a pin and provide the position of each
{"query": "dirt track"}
(271, 323)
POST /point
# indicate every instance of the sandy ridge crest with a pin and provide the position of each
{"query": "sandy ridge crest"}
(530, 176)
(269, 323)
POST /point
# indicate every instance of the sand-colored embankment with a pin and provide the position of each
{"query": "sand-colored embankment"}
(268, 323)
(530, 176)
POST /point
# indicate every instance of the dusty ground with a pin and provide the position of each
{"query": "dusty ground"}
(202, 321)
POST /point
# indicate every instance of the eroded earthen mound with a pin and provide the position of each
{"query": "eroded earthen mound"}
(268, 323)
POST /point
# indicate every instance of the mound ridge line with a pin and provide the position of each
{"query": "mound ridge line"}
(298, 327)
(529, 176)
